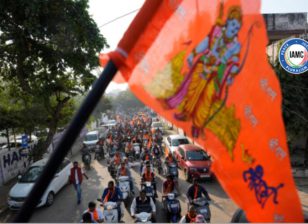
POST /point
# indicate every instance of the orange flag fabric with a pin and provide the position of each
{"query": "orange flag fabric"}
(202, 65)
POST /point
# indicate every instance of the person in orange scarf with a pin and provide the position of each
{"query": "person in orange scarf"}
(196, 191)
(117, 159)
(170, 186)
(96, 214)
(149, 176)
(190, 217)
(112, 193)
(124, 171)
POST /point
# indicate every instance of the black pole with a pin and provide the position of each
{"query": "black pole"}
(66, 142)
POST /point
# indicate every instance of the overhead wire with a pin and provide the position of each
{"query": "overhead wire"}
(119, 17)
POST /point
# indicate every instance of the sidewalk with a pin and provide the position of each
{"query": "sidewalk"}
(4, 191)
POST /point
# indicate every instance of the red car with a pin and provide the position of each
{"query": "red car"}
(194, 161)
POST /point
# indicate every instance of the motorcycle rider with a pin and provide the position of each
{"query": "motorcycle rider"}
(196, 191)
(190, 217)
(149, 176)
(170, 186)
(145, 156)
(113, 193)
(156, 150)
(87, 217)
(96, 214)
(168, 160)
(123, 170)
(143, 203)
(116, 159)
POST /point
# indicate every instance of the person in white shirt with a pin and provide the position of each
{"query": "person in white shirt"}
(143, 203)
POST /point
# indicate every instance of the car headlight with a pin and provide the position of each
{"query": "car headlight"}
(193, 169)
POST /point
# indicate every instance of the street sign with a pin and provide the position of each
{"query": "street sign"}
(24, 141)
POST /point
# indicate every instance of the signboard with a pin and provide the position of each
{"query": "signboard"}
(12, 163)
(24, 141)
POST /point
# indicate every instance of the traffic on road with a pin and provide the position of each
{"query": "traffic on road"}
(149, 175)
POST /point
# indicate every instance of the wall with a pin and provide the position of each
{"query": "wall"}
(12, 163)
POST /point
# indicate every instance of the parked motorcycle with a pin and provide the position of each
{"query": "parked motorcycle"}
(172, 207)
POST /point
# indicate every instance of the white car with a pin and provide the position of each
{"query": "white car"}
(157, 125)
(20, 191)
(91, 139)
(173, 141)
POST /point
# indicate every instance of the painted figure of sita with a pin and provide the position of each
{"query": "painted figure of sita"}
(199, 95)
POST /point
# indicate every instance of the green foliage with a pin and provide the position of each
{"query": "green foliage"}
(48, 49)
(103, 105)
(126, 100)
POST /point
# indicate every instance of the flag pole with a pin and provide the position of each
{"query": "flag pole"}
(66, 142)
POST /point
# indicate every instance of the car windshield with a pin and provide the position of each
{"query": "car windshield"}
(32, 174)
(157, 125)
(181, 141)
(91, 137)
(197, 155)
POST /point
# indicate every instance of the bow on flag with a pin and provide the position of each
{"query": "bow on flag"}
(203, 66)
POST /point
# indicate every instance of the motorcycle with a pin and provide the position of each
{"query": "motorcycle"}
(172, 206)
(112, 169)
(123, 184)
(149, 189)
(136, 147)
(86, 159)
(99, 153)
(158, 165)
(172, 169)
(110, 213)
(202, 208)
(143, 217)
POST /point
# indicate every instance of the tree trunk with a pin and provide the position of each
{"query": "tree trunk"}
(14, 137)
(8, 138)
(54, 123)
(50, 135)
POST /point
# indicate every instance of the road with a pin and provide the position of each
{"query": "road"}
(65, 208)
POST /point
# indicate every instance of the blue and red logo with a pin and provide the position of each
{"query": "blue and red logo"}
(293, 56)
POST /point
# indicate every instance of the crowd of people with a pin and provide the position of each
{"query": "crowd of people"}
(134, 139)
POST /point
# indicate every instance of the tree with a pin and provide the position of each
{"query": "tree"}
(103, 105)
(48, 48)
(126, 100)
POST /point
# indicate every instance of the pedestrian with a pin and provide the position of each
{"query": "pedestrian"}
(76, 179)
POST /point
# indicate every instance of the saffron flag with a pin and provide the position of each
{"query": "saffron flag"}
(203, 66)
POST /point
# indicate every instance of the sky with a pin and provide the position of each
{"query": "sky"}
(103, 11)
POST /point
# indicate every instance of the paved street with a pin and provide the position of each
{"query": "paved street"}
(65, 208)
